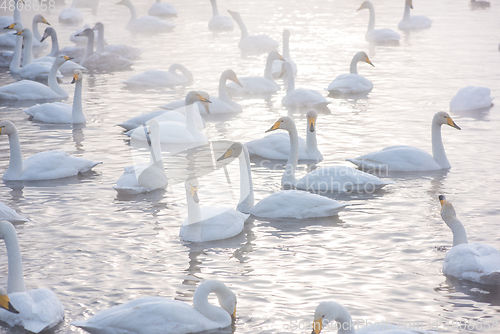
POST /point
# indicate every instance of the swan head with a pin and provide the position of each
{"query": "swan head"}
(365, 5)
(154, 126)
(410, 3)
(274, 55)
(49, 31)
(326, 312)
(362, 56)
(192, 189)
(61, 59)
(26, 33)
(443, 117)
(231, 75)
(311, 120)
(205, 103)
(194, 96)
(86, 32)
(447, 210)
(227, 301)
(98, 26)
(77, 76)
(286, 68)
(233, 151)
(17, 26)
(284, 122)
(7, 128)
(40, 19)
(235, 15)
(5, 302)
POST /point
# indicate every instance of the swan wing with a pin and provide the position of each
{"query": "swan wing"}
(136, 121)
(150, 24)
(56, 112)
(350, 84)
(106, 62)
(415, 22)
(382, 35)
(125, 51)
(470, 98)
(253, 85)
(258, 44)
(27, 90)
(300, 97)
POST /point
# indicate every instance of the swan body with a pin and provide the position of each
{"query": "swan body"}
(8, 41)
(300, 97)
(219, 23)
(473, 262)
(209, 223)
(145, 24)
(141, 178)
(257, 85)
(410, 159)
(160, 79)
(325, 179)
(59, 112)
(70, 15)
(162, 9)
(31, 90)
(277, 64)
(378, 36)
(253, 44)
(481, 4)
(282, 204)
(352, 83)
(38, 309)
(125, 51)
(9, 214)
(413, 22)
(48, 165)
(470, 98)
(276, 146)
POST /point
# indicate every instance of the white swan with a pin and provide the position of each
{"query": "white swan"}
(219, 23)
(174, 132)
(253, 44)
(209, 223)
(38, 309)
(352, 83)
(277, 64)
(300, 97)
(123, 50)
(75, 52)
(161, 79)
(145, 177)
(413, 22)
(145, 24)
(78, 39)
(7, 41)
(471, 98)
(8, 20)
(31, 90)
(14, 57)
(58, 112)
(407, 158)
(473, 262)
(258, 85)
(324, 179)
(69, 67)
(329, 311)
(71, 15)
(378, 36)
(48, 165)
(276, 146)
(36, 33)
(162, 9)
(282, 204)
(9, 214)
(169, 316)
(102, 61)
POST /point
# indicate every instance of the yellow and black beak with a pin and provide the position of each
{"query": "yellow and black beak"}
(45, 21)
(411, 4)
(237, 82)
(1, 128)
(233, 316)
(442, 199)
(281, 57)
(18, 33)
(5, 304)
(317, 326)
(361, 7)
(10, 26)
(67, 58)
(203, 99)
(120, 3)
(368, 61)
(44, 38)
(226, 154)
(276, 126)
(194, 194)
(75, 78)
(452, 124)
(311, 122)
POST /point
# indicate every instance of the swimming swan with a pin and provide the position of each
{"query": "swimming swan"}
(473, 262)
(277, 64)
(276, 146)
(223, 103)
(352, 83)
(48, 165)
(59, 112)
(162, 9)
(253, 44)
(162, 315)
(161, 79)
(300, 97)
(378, 36)
(324, 179)
(413, 22)
(123, 50)
(471, 98)
(282, 204)
(219, 23)
(37, 309)
(145, 24)
(407, 158)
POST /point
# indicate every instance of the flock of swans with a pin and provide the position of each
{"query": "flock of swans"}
(182, 122)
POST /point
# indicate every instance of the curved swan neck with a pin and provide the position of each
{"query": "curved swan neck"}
(15, 279)
(243, 28)
(201, 304)
(53, 84)
(54, 51)
(100, 38)
(458, 230)
(185, 72)
(215, 10)
(133, 13)
(354, 64)
(15, 64)
(406, 14)
(77, 110)
(90, 47)
(223, 89)
(246, 183)
(290, 81)
(36, 33)
(438, 152)
(268, 71)
(28, 48)
(371, 23)
(156, 157)
(15, 169)
(194, 212)
(341, 315)
(288, 177)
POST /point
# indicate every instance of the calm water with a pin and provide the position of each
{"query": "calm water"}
(381, 257)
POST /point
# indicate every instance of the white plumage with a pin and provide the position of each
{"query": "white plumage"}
(219, 23)
(300, 97)
(253, 44)
(413, 22)
(352, 83)
(378, 36)
(471, 98)
(161, 79)
(145, 24)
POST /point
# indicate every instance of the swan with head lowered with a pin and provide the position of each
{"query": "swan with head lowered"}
(278, 64)
(253, 44)
(36, 309)
(31, 90)
(219, 23)
(161, 79)
(324, 179)
(276, 146)
(472, 262)
(352, 83)
(300, 97)
(8, 20)
(123, 50)
(282, 204)
(58, 112)
(145, 24)
(410, 159)
(413, 22)
(257, 85)
(378, 36)
(48, 165)
(208, 223)
(168, 316)
(162, 9)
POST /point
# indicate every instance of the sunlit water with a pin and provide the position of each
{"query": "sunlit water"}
(381, 257)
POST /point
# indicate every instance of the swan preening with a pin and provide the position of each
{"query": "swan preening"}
(413, 22)
(169, 316)
(48, 165)
(37, 309)
(161, 79)
(471, 98)
(205, 223)
(410, 159)
(352, 83)
(145, 24)
(295, 204)
(219, 23)
(253, 44)
(276, 146)
(473, 262)
(378, 36)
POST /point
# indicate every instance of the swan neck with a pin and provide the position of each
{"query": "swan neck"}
(311, 141)
(156, 157)
(406, 14)
(286, 47)
(133, 13)
(191, 119)
(194, 211)
(15, 279)
(354, 65)
(17, 13)
(243, 28)
(344, 320)
(90, 47)
(215, 10)
(34, 29)
(371, 22)
(15, 64)
(458, 230)
(77, 111)
(268, 71)
(223, 89)
(55, 45)
(15, 169)
(28, 47)
(201, 304)
(288, 177)
(246, 183)
(437, 147)
(290, 82)
(53, 84)
(100, 39)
